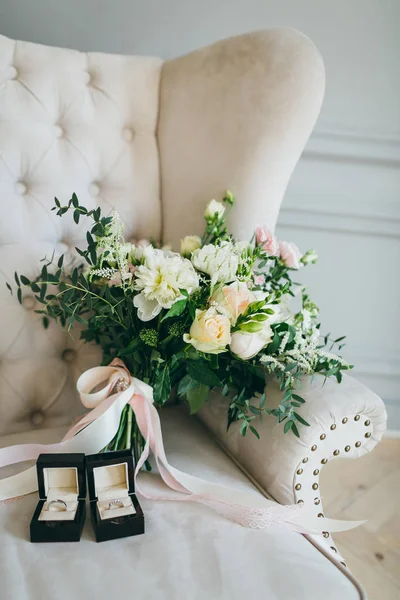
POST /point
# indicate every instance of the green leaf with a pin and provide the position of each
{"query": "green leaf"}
(186, 384)
(176, 309)
(196, 397)
(200, 371)
(300, 419)
(16, 278)
(19, 295)
(77, 214)
(25, 280)
(298, 398)
(162, 384)
(253, 430)
(45, 322)
(287, 426)
(9, 287)
(295, 430)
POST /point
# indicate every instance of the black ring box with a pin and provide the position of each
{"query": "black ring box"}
(119, 526)
(59, 530)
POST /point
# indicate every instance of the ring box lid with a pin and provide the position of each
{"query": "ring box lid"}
(110, 475)
(61, 476)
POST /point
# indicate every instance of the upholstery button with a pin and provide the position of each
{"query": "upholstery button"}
(11, 73)
(94, 189)
(128, 134)
(21, 188)
(58, 131)
(29, 302)
(68, 355)
(37, 417)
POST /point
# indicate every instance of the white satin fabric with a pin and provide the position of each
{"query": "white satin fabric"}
(187, 553)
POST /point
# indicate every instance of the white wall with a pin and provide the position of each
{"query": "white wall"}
(344, 198)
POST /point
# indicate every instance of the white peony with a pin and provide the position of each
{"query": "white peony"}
(219, 262)
(159, 280)
(214, 208)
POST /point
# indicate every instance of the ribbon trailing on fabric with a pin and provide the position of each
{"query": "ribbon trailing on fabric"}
(94, 431)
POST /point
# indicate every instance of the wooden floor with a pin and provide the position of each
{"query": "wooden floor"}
(368, 488)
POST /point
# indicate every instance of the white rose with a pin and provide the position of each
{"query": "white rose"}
(189, 244)
(246, 345)
(210, 332)
(233, 299)
(219, 262)
(214, 208)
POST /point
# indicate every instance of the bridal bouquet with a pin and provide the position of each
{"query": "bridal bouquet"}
(216, 315)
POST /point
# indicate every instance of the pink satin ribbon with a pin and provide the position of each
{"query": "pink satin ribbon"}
(99, 425)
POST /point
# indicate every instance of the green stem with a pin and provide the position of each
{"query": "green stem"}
(128, 432)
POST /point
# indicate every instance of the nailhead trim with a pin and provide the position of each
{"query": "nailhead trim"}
(336, 452)
(333, 427)
(347, 449)
(313, 448)
(320, 515)
(299, 471)
(368, 434)
(322, 436)
(344, 420)
(358, 444)
(316, 472)
(305, 460)
(297, 486)
(324, 461)
(315, 486)
(325, 534)
(357, 418)
(367, 422)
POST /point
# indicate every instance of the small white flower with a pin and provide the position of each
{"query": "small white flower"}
(214, 208)
(219, 262)
(159, 280)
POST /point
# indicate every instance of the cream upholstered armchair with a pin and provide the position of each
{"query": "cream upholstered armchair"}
(155, 140)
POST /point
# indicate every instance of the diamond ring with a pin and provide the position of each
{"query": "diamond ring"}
(115, 504)
(59, 505)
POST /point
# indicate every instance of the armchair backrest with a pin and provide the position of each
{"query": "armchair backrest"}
(155, 141)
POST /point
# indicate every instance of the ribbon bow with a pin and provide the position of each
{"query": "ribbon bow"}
(94, 431)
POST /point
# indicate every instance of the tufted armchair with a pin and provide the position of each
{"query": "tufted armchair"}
(155, 140)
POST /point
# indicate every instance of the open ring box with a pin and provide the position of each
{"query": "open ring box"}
(60, 477)
(114, 508)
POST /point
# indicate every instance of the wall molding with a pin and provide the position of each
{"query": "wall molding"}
(337, 213)
(344, 145)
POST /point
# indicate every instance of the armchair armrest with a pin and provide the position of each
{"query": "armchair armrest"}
(346, 420)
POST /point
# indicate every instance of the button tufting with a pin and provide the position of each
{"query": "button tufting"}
(21, 188)
(37, 417)
(58, 131)
(68, 355)
(11, 73)
(87, 78)
(94, 189)
(29, 302)
(128, 134)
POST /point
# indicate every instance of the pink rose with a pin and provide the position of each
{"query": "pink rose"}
(290, 254)
(267, 240)
(233, 299)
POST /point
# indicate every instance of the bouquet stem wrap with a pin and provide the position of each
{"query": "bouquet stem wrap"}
(97, 427)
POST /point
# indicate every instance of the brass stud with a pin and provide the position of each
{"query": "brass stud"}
(358, 444)
(333, 548)
(314, 447)
(316, 472)
(367, 422)
(325, 534)
(320, 515)
(336, 452)
(347, 448)
(322, 436)
(344, 420)
(315, 486)
(324, 461)
(333, 427)
(317, 500)
(368, 434)
(297, 486)
(305, 460)
(357, 418)
(300, 502)
(299, 471)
